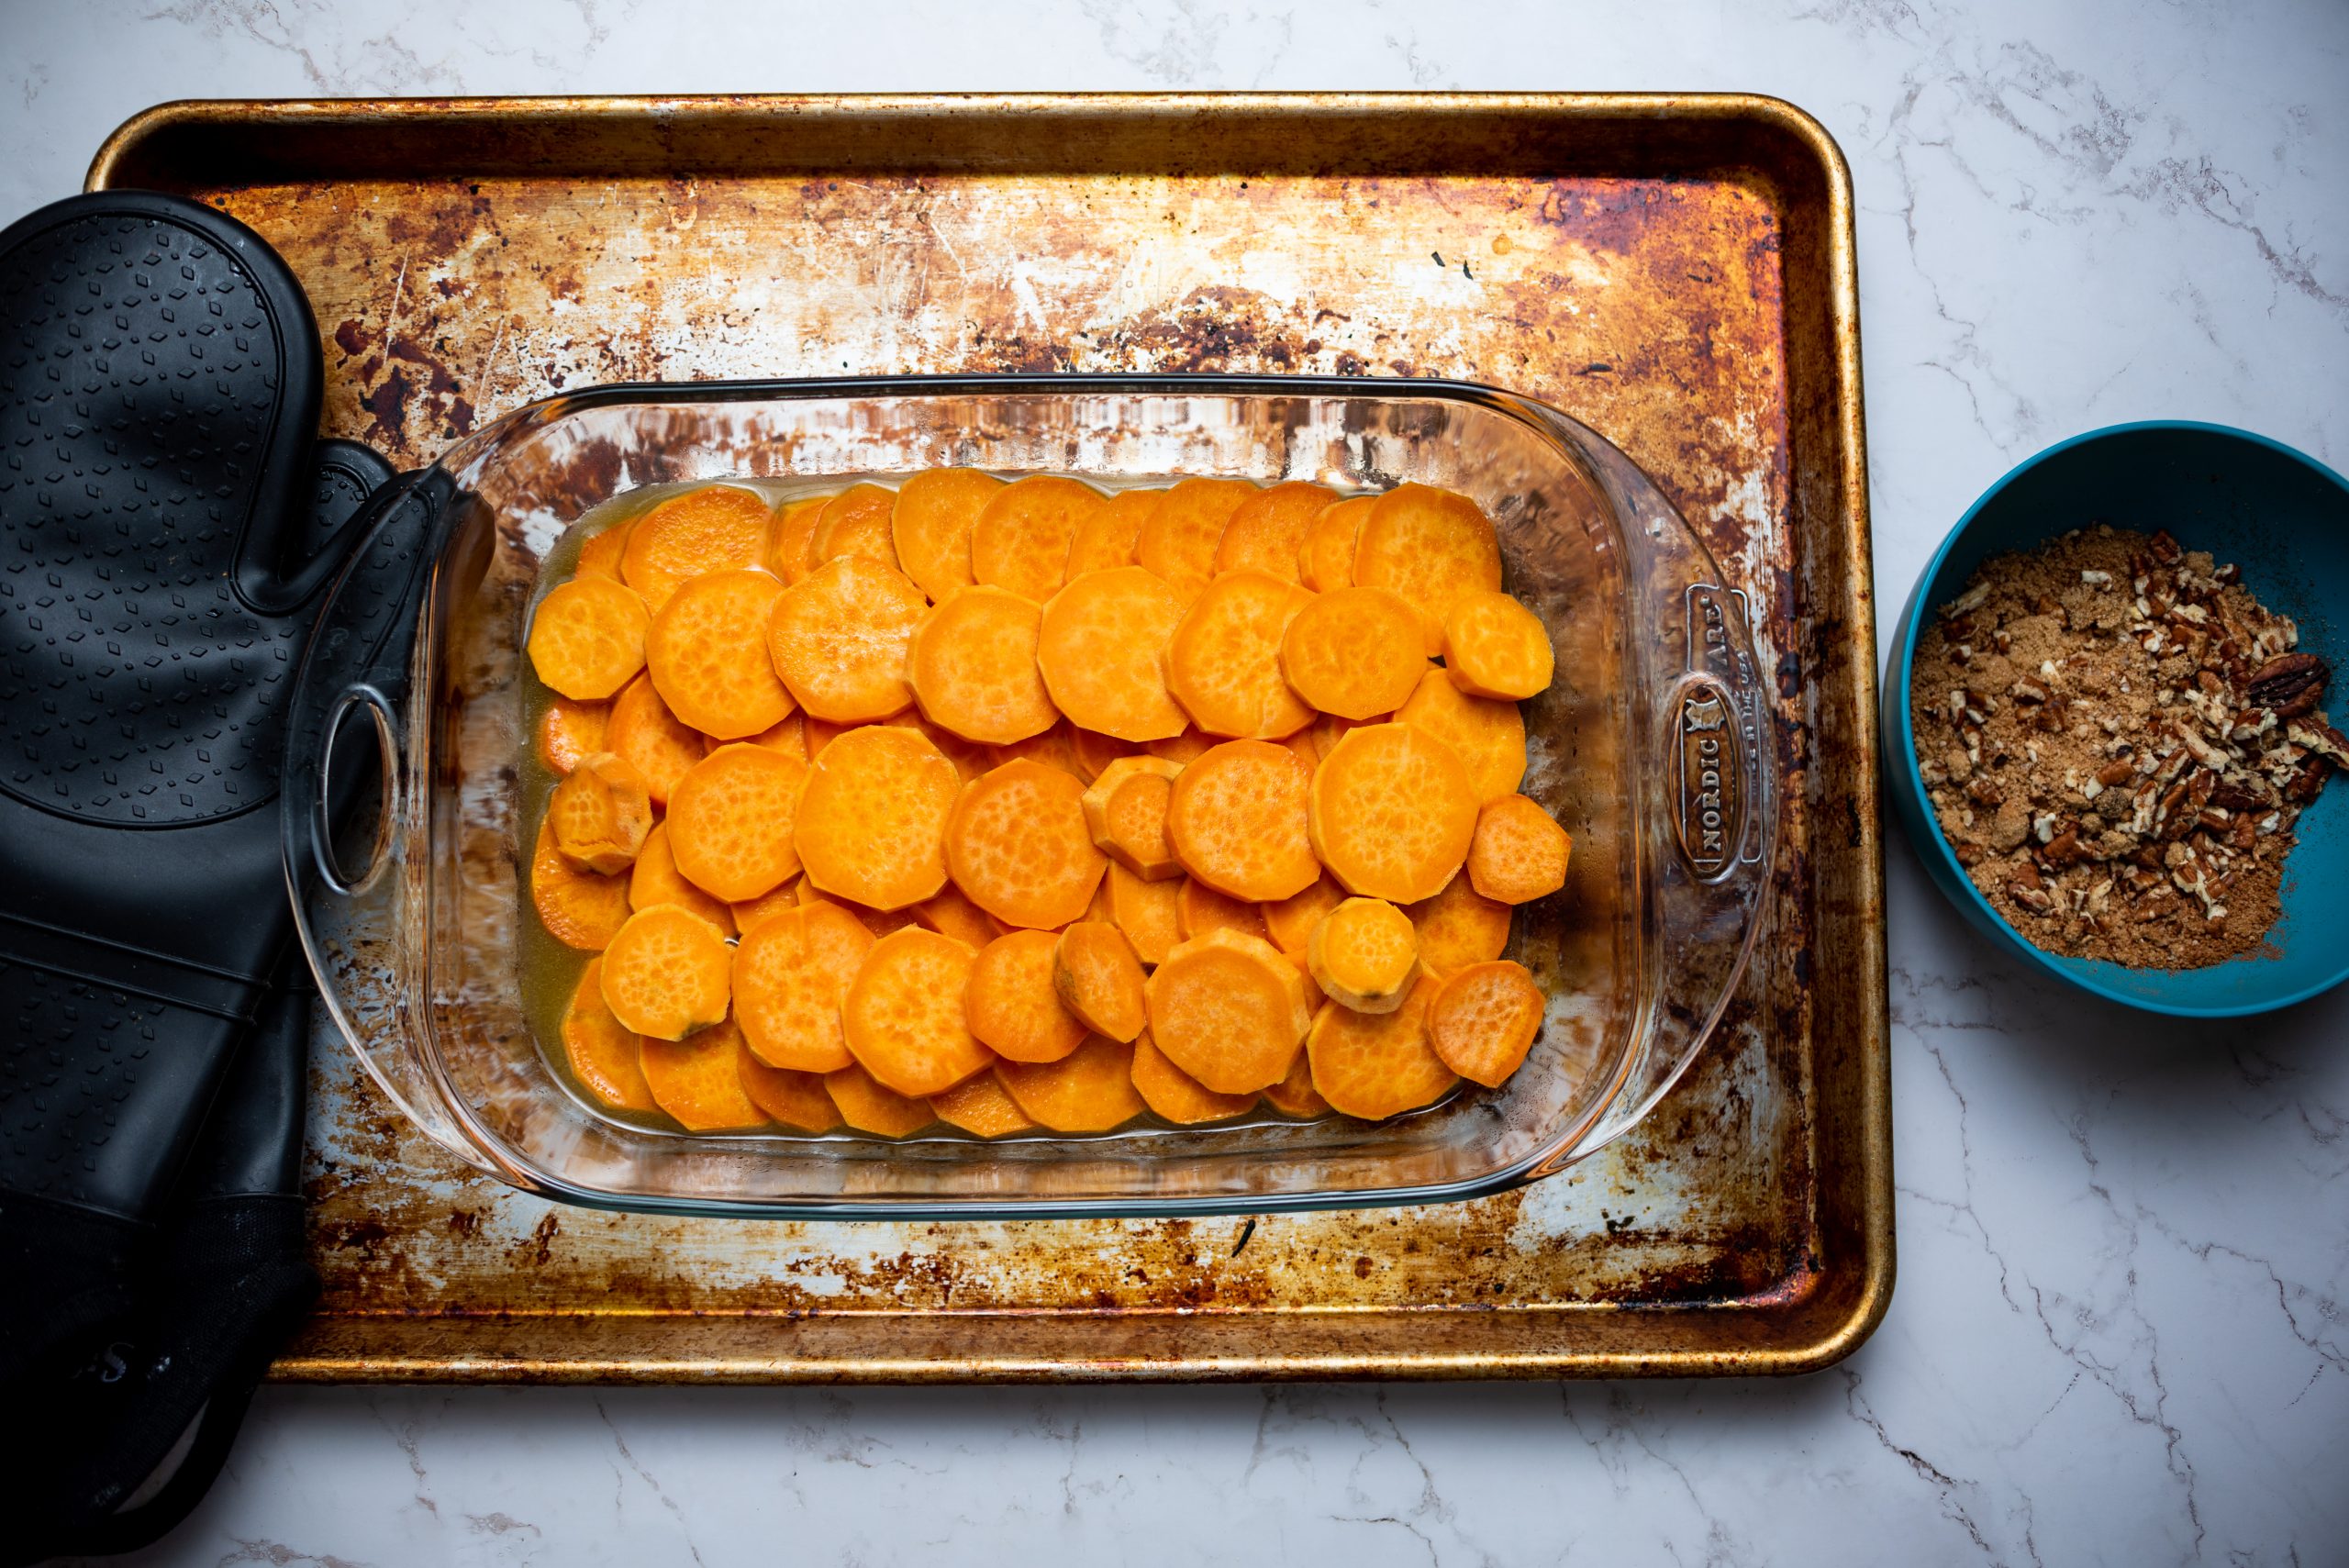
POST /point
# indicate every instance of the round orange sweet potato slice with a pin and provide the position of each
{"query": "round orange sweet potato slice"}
(1289, 921)
(570, 730)
(730, 822)
(1355, 652)
(656, 742)
(1199, 909)
(587, 638)
(871, 823)
(602, 1050)
(869, 1106)
(1177, 1096)
(1432, 547)
(1266, 530)
(1519, 852)
(1237, 818)
(931, 525)
(1099, 979)
(708, 654)
(838, 638)
(981, 1107)
(698, 1080)
(903, 1013)
(1090, 1090)
(1146, 912)
(857, 521)
(654, 880)
(1179, 539)
(793, 1098)
(708, 530)
(1295, 1095)
(1011, 1005)
(1223, 662)
(790, 551)
(1488, 736)
(1020, 541)
(1100, 647)
(1125, 810)
(1230, 1010)
(667, 973)
(972, 665)
(1494, 647)
(792, 972)
(1018, 845)
(1364, 954)
(1105, 536)
(949, 914)
(1374, 1066)
(1482, 1020)
(1325, 558)
(599, 553)
(1459, 926)
(600, 814)
(579, 908)
(1392, 813)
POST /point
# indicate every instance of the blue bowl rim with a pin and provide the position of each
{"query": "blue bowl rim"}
(1905, 651)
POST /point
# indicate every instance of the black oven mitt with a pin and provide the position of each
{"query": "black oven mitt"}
(167, 521)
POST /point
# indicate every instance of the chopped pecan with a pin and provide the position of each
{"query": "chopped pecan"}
(2066, 850)
(2165, 549)
(2291, 684)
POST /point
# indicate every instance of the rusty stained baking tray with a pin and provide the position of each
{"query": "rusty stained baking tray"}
(1676, 270)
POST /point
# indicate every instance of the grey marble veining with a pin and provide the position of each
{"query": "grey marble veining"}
(2118, 1332)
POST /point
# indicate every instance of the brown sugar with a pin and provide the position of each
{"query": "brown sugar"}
(2118, 738)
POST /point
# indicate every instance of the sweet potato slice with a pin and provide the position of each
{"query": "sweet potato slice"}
(1266, 530)
(1020, 541)
(1488, 736)
(1459, 926)
(1056, 749)
(1018, 845)
(1230, 1010)
(903, 1013)
(1237, 820)
(1364, 954)
(1184, 749)
(870, 1106)
(1392, 813)
(1519, 852)
(1495, 647)
(1100, 647)
(785, 1095)
(949, 914)
(1295, 1095)
(698, 1080)
(1090, 1090)
(730, 822)
(857, 521)
(792, 972)
(659, 744)
(1199, 909)
(747, 913)
(1179, 539)
(1105, 536)
(579, 908)
(600, 814)
(587, 638)
(1355, 652)
(790, 551)
(667, 973)
(1223, 662)
(708, 530)
(838, 638)
(787, 736)
(1146, 912)
(983, 1108)
(1289, 922)
(569, 730)
(972, 665)
(1095, 752)
(1432, 546)
(1099, 979)
(655, 880)
(1374, 1066)
(708, 654)
(932, 524)
(871, 823)
(1125, 810)
(602, 1050)
(1011, 1003)
(1482, 1020)
(1176, 1097)
(599, 553)
(1325, 558)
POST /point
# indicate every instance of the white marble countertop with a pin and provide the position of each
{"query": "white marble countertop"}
(2118, 1332)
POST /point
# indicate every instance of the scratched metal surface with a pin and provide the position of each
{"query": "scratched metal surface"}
(1680, 312)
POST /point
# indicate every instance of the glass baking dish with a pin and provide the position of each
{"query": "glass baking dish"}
(404, 799)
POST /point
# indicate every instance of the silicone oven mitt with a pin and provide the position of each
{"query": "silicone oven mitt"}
(167, 521)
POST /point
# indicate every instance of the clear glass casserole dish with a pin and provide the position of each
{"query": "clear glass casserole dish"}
(405, 809)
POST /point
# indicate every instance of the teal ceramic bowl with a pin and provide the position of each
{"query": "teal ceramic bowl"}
(2284, 517)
